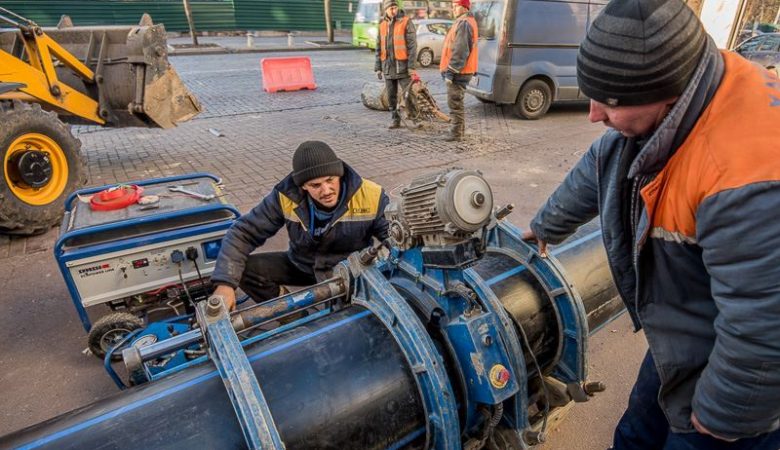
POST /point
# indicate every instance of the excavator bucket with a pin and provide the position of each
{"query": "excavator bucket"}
(134, 83)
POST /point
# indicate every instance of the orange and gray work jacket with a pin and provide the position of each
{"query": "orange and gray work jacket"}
(460, 54)
(396, 46)
(690, 221)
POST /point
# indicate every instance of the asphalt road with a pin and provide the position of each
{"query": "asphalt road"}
(43, 371)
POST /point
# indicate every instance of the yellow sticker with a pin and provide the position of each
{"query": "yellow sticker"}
(499, 376)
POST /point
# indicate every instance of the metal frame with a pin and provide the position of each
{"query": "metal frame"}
(571, 360)
(63, 257)
(247, 397)
(511, 341)
(375, 293)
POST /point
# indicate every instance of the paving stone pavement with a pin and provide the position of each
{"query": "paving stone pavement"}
(261, 130)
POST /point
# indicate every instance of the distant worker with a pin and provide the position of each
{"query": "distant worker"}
(458, 64)
(329, 212)
(396, 53)
(686, 184)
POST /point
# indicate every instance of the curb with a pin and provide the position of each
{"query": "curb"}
(227, 50)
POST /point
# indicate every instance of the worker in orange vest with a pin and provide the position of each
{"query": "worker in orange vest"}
(458, 64)
(396, 52)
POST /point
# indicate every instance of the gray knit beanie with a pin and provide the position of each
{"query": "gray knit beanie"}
(314, 159)
(388, 3)
(640, 51)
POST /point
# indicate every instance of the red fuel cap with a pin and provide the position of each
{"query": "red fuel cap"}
(117, 197)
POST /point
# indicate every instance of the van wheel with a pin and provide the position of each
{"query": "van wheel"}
(425, 57)
(534, 100)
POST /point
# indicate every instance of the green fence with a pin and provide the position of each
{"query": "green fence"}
(215, 15)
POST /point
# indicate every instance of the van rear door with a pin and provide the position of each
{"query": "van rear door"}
(490, 24)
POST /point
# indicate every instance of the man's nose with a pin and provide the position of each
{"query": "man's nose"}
(597, 112)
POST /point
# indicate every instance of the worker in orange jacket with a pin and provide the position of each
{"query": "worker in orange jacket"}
(396, 53)
(458, 64)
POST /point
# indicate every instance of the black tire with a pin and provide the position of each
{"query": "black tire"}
(425, 57)
(24, 209)
(534, 100)
(109, 330)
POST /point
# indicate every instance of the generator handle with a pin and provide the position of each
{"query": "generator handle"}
(173, 179)
(141, 221)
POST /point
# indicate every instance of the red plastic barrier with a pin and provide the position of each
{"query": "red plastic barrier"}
(287, 74)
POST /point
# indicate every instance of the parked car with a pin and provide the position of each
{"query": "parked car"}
(763, 49)
(430, 39)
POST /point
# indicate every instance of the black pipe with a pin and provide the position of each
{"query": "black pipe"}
(584, 262)
(339, 382)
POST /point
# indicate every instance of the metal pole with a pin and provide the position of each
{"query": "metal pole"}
(190, 22)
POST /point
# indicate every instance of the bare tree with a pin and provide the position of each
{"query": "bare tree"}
(328, 24)
(190, 22)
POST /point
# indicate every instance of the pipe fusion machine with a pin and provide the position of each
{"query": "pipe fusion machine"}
(454, 333)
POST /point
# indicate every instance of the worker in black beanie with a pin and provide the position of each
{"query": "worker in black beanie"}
(329, 212)
(686, 184)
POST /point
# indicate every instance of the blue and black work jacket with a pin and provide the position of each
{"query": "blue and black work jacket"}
(689, 218)
(356, 221)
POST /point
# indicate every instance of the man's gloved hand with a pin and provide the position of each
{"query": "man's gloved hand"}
(229, 294)
(379, 75)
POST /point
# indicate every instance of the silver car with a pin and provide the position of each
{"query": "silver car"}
(430, 39)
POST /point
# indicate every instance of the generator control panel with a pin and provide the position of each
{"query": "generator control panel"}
(129, 256)
(116, 275)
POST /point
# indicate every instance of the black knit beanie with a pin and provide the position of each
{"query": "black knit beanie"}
(314, 159)
(640, 51)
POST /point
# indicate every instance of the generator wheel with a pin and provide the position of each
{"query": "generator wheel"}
(109, 330)
(41, 164)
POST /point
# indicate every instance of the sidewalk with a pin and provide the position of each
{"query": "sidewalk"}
(260, 42)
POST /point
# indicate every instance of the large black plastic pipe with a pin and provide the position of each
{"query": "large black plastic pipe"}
(338, 382)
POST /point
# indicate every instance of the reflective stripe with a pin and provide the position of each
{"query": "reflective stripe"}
(364, 204)
(288, 209)
(672, 236)
(470, 67)
(399, 40)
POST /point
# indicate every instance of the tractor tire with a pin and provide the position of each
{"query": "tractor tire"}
(42, 164)
(109, 330)
(534, 100)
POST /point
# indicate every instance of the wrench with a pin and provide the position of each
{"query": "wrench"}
(198, 195)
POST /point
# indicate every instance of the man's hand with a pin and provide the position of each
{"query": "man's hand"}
(528, 235)
(702, 430)
(379, 75)
(229, 294)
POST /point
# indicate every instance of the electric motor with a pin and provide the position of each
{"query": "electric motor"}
(440, 209)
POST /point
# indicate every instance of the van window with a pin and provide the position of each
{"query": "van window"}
(488, 15)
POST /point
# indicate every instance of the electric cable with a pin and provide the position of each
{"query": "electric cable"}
(184, 285)
(541, 379)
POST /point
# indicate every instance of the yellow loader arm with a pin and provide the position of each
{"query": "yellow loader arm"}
(121, 78)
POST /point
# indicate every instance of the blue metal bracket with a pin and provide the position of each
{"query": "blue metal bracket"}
(375, 293)
(228, 356)
(571, 362)
(518, 410)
